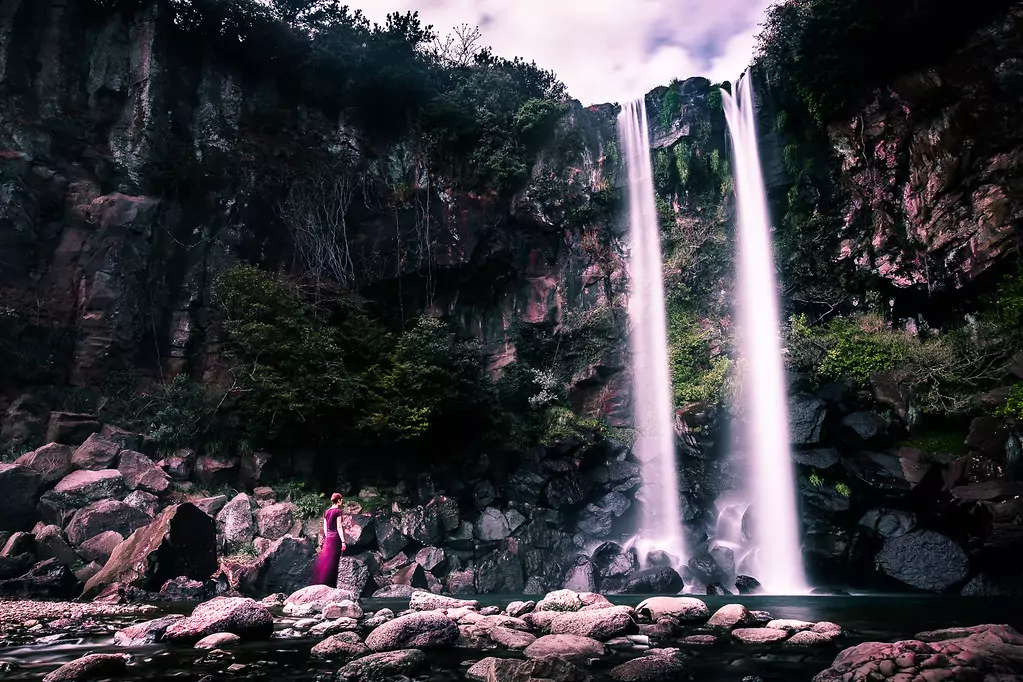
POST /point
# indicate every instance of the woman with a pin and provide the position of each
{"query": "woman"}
(325, 572)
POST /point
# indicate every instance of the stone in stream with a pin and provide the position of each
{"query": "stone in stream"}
(730, 616)
(759, 635)
(511, 638)
(427, 601)
(418, 630)
(182, 589)
(517, 609)
(352, 576)
(244, 617)
(218, 640)
(924, 559)
(93, 666)
(560, 600)
(684, 609)
(384, 666)
(553, 669)
(343, 645)
(181, 541)
(315, 596)
(284, 566)
(807, 638)
(569, 647)
(658, 667)
(602, 624)
(48, 579)
(148, 632)
(345, 608)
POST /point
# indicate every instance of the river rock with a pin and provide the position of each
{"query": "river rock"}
(95, 453)
(180, 541)
(432, 559)
(924, 559)
(420, 630)
(492, 525)
(448, 515)
(517, 609)
(602, 624)
(317, 597)
(48, 579)
(759, 635)
(52, 462)
(511, 638)
(653, 668)
(141, 473)
(549, 669)
(420, 524)
(14, 565)
(567, 490)
(807, 638)
(346, 608)
(104, 515)
(560, 600)
(81, 488)
(748, 585)
(730, 616)
(90, 667)
(235, 524)
(567, 646)
(343, 645)
(182, 589)
(806, 418)
(384, 666)
(19, 486)
(426, 601)
(149, 632)
(657, 580)
(241, 616)
(684, 609)
(277, 520)
(218, 641)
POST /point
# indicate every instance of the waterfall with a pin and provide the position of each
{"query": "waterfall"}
(775, 520)
(660, 519)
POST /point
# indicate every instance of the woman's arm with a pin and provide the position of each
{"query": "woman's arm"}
(341, 531)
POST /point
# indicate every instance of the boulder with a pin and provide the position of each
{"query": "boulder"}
(103, 516)
(759, 635)
(182, 589)
(217, 641)
(582, 577)
(19, 488)
(210, 470)
(285, 566)
(128, 440)
(359, 530)
(96, 453)
(253, 469)
(432, 559)
(235, 524)
(147, 503)
(90, 667)
(500, 571)
(448, 515)
(520, 608)
(69, 428)
(82, 488)
(601, 624)
(180, 541)
(866, 425)
(352, 576)
(818, 458)
(419, 630)
(148, 632)
(806, 419)
(52, 462)
(492, 526)
(745, 584)
(925, 560)
(314, 597)
(14, 565)
(141, 473)
(657, 580)
(48, 579)
(560, 600)
(211, 506)
(988, 435)
(461, 582)
(427, 601)
(569, 647)
(567, 490)
(241, 616)
(179, 465)
(654, 668)
(525, 486)
(730, 616)
(345, 645)
(389, 539)
(549, 669)
(685, 609)
(277, 520)
(888, 523)
(384, 666)
(420, 524)
(50, 544)
(346, 608)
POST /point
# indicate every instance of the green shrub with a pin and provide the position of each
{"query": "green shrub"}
(1013, 407)
(816, 481)
(310, 504)
(697, 375)
(843, 489)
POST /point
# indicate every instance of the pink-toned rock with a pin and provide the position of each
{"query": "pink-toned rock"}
(52, 462)
(241, 616)
(759, 635)
(99, 547)
(96, 453)
(142, 473)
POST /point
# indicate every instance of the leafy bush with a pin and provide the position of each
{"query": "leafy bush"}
(1013, 407)
(310, 504)
(843, 489)
(697, 374)
(182, 414)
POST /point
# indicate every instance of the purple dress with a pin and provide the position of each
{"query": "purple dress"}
(325, 570)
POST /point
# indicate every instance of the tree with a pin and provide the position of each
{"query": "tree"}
(459, 49)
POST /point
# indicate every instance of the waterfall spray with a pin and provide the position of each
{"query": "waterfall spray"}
(661, 521)
(779, 563)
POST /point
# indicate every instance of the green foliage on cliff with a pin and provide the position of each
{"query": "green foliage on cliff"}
(1013, 406)
(698, 372)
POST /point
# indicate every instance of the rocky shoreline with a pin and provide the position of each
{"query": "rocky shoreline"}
(566, 636)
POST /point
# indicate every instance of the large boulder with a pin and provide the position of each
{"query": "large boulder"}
(105, 515)
(352, 576)
(567, 490)
(656, 580)
(389, 539)
(82, 488)
(52, 462)
(181, 541)
(99, 547)
(210, 470)
(925, 560)
(90, 667)
(96, 453)
(569, 647)
(244, 617)
(427, 601)
(345, 645)
(48, 579)
(277, 520)
(314, 597)
(602, 624)
(492, 526)
(686, 609)
(147, 632)
(500, 571)
(806, 419)
(384, 666)
(417, 630)
(19, 486)
(50, 544)
(359, 530)
(235, 524)
(141, 473)
(285, 566)
(420, 524)
(658, 667)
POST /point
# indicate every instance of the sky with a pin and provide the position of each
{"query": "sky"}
(604, 50)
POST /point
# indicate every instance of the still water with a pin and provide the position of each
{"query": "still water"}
(866, 618)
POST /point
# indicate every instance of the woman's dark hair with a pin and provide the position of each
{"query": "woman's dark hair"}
(335, 498)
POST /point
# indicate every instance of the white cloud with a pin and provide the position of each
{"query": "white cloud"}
(604, 50)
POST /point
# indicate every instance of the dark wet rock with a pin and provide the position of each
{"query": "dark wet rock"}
(254, 468)
(989, 585)
(14, 565)
(889, 523)
(461, 582)
(418, 630)
(18, 543)
(653, 668)
(182, 589)
(806, 418)
(344, 645)
(595, 521)
(582, 577)
(212, 505)
(684, 609)
(104, 515)
(567, 490)
(48, 579)
(19, 488)
(147, 503)
(90, 667)
(421, 525)
(818, 458)
(924, 559)
(432, 559)
(525, 486)
(359, 530)
(448, 515)
(730, 616)
(492, 525)
(500, 571)
(984, 652)
(180, 541)
(412, 575)
(602, 624)
(389, 539)
(96, 453)
(210, 470)
(352, 576)
(549, 669)
(285, 566)
(384, 666)
(483, 494)
(81, 488)
(658, 580)
(569, 647)
(149, 632)
(50, 544)
(988, 435)
(748, 585)
(244, 617)
(141, 473)
(52, 462)
(865, 425)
